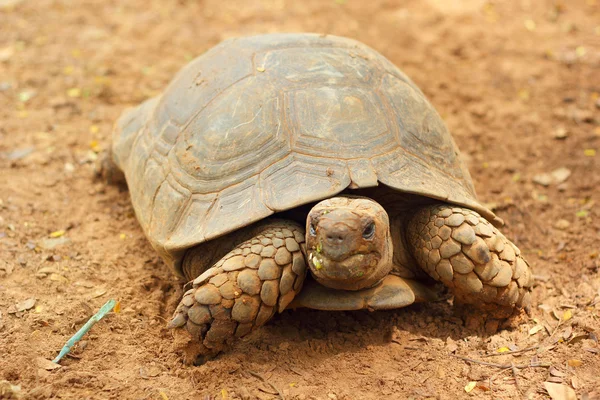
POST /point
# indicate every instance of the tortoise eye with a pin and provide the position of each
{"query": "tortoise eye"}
(312, 230)
(369, 231)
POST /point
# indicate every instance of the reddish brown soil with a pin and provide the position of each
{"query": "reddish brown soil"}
(507, 76)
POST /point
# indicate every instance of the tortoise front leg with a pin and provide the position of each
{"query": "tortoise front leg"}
(486, 271)
(244, 289)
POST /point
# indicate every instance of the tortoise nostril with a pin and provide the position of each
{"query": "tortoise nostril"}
(335, 238)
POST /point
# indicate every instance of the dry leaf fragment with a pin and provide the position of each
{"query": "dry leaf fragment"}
(470, 386)
(566, 334)
(544, 307)
(58, 278)
(51, 243)
(26, 304)
(26, 95)
(57, 234)
(555, 372)
(98, 293)
(151, 371)
(535, 329)
(74, 92)
(574, 363)
(578, 338)
(559, 392)
(95, 146)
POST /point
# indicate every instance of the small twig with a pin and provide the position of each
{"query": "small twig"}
(427, 378)
(494, 376)
(480, 362)
(544, 349)
(530, 365)
(262, 378)
(560, 321)
(512, 352)
(514, 371)
(406, 347)
(105, 309)
(412, 367)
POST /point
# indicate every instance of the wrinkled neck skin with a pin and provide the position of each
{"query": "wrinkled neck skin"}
(348, 240)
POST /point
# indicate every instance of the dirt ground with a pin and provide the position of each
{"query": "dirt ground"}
(517, 82)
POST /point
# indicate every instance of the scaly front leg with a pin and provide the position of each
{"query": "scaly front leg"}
(486, 271)
(245, 288)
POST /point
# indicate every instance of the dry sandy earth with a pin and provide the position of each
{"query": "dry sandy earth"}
(518, 83)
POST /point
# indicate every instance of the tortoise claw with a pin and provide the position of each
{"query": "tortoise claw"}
(178, 321)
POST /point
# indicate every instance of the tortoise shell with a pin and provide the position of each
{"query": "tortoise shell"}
(263, 124)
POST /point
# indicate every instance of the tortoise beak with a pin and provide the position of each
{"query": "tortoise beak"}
(338, 235)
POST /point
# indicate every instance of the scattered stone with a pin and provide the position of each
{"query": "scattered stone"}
(6, 52)
(451, 345)
(9, 391)
(556, 177)
(46, 364)
(561, 134)
(562, 224)
(17, 154)
(544, 179)
(560, 175)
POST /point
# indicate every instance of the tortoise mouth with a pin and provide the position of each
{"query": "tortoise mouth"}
(349, 243)
(354, 272)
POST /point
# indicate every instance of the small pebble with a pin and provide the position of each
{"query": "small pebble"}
(562, 224)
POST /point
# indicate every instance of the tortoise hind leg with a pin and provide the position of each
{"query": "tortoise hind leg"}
(107, 170)
(245, 288)
(464, 251)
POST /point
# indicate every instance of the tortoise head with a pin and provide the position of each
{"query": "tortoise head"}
(348, 242)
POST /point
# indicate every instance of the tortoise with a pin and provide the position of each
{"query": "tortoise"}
(273, 155)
